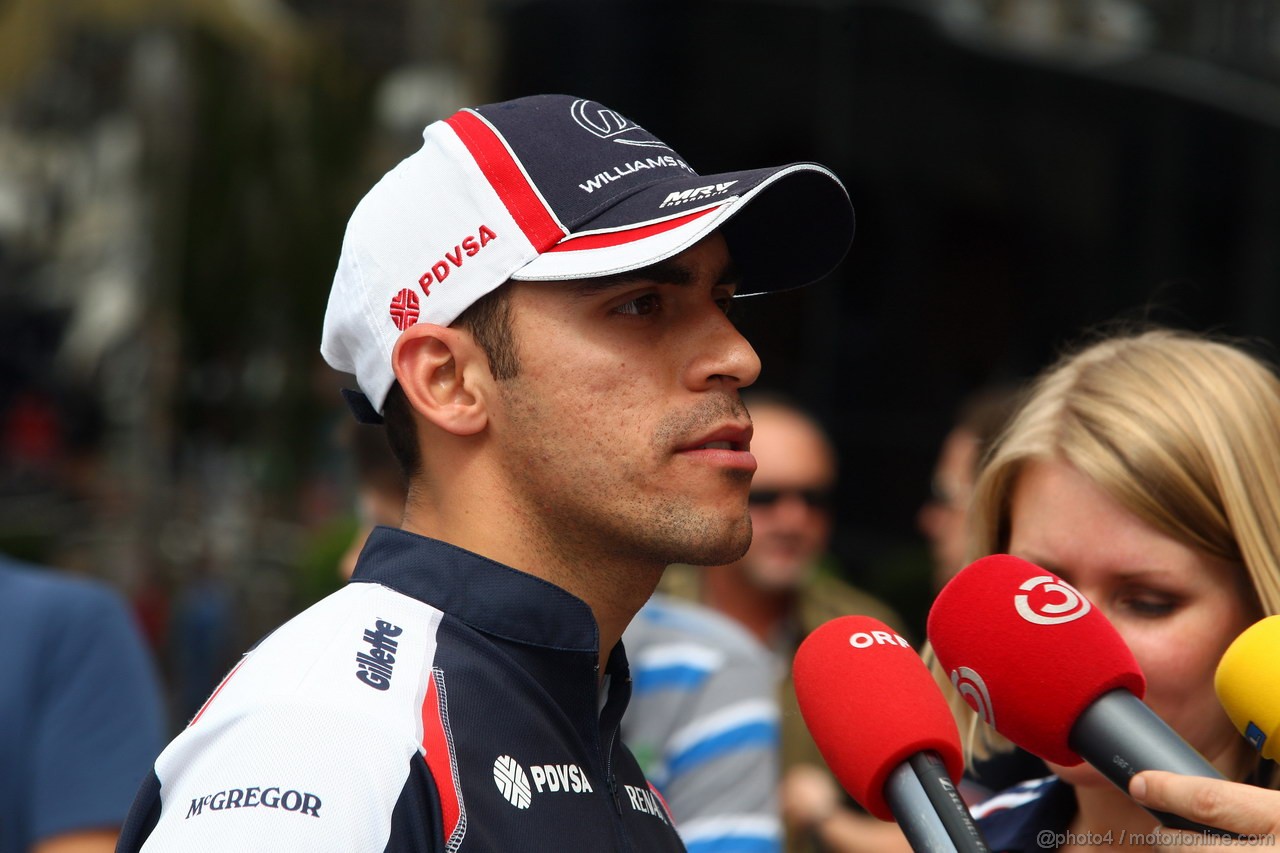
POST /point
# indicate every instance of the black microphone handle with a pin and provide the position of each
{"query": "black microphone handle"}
(928, 809)
(952, 811)
(1120, 736)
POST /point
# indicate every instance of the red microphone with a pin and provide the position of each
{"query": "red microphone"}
(1045, 668)
(885, 730)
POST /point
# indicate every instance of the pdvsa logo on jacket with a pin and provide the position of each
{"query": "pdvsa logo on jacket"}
(514, 783)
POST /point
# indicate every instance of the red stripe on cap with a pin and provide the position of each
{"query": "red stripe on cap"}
(507, 179)
(630, 235)
(437, 746)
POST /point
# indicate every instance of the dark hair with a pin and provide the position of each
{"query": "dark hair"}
(376, 467)
(986, 412)
(488, 319)
(397, 419)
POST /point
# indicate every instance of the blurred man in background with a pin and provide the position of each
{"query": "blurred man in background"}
(943, 519)
(81, 712)
(811, 800)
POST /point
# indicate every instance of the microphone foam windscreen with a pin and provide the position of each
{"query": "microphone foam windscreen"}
(1248, 685)
(1028, 652)
(870, 704)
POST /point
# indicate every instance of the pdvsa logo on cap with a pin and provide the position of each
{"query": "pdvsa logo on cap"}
(512, 781)
(607, 124)
(1039, 607)
(404, 309)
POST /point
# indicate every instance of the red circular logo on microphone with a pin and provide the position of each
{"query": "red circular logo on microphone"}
(1050, 601)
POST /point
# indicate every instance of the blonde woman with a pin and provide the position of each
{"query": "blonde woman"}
(1144, 470)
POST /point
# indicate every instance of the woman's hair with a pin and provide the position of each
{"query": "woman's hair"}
(1181, 430)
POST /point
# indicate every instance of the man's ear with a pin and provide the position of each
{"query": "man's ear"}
(436, 367)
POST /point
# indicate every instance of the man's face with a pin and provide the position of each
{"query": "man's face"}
(789, 515)
(622, 431)
(944, 517)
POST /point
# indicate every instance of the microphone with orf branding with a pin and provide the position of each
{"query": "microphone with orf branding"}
(1047, 670)
(885, 731)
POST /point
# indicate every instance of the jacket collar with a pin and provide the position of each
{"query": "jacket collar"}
(487, 595)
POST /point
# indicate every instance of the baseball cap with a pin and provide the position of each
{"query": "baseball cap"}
(550, 188)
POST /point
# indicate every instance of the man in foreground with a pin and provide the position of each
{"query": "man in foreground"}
(534, 304)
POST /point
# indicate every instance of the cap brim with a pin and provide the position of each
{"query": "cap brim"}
(785, 227)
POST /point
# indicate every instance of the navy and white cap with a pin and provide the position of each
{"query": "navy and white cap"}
(547, 188)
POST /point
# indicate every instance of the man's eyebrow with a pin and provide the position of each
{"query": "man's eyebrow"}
(669, 271)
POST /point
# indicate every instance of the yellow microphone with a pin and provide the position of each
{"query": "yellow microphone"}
(1248, 685)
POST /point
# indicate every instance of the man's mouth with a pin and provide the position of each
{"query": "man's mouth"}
(729, 446)
(733, 437)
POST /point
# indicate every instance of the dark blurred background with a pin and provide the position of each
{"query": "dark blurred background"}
(175, 178)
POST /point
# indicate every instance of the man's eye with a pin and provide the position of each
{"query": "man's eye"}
(641, 305)
(724, 299)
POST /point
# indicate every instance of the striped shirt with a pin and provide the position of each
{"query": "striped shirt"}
(703, 721)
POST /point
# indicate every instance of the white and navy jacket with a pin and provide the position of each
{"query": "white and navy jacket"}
(439, 702)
